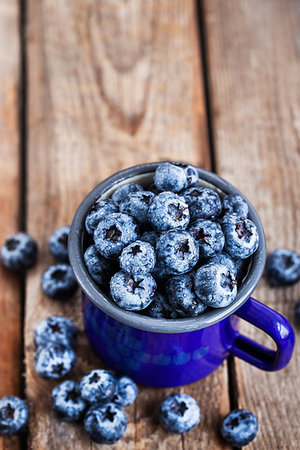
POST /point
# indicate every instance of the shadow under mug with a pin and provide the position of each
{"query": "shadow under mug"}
(174, 352)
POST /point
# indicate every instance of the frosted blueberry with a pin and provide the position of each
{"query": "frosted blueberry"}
(215, 285)
(98, 386)
(235, 204)
(58, 282)
(136, 205)
(126, 391)
(283, 267)
(203, 203)
(99, 268)
(138, 257)
(55, 329)
(239, 427)
(105, 424)
(170, 177)
(241, 237)
(159, 307)
(13, 416)
(54, 360)
(67, 402)
(101, 208)
(19, 251)
(168, 211)
(58, 244)
(225, 260)
(191, 173)
(121, 193)
(113, 233)
(209, 236)
(179, 413)
(181, 296)
(132, 292)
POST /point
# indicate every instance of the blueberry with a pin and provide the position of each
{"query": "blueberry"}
(105, 424)
(177, 251)
(121, 193)
(191, 173)
(98, 267)
(126, 391)
(215, 285)
(58, 282)
(138, 257)
(241, 237)
(235, 204)
(179, 413)
(132, 292)
(170, 177)
(55, 329)
(98, 386)
(67, 402)
(54, 360)
(151, 237)
(225, 260)
(181, 296)
(203, 203)
(13, 416)
(159, 307)
(283, 267)
(101, 208)
(239, 427)
(161, 273)
(113, 233)
(168, 211)
(58, 244)
(209, 236)
(19, 251)
(136, 205)
(297, 313)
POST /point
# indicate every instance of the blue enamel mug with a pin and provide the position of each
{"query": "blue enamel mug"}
(174, 352)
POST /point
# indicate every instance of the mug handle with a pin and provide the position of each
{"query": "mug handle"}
(272, 323)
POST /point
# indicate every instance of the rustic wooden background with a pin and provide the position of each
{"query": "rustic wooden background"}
(89, 87)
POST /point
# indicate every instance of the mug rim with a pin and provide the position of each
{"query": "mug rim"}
(131, 318)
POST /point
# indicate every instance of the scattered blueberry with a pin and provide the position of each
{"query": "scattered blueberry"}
(100, 209)
(98, 386)
(19, 251)
(55, 329)
(58, 282)
(105, 424)
(181, 296)
(113, 233)
(67, 402)
(283, 267)
(13, 416)
(235, 204)
(138, 257)
(54, 360)
(215, 285)
(121, 193)
(132, 292)
(151, 237)
(241, 237)
(297, 313)
(179, 413)
(170, 177)
(239, 427)
(209, 236)
(99, 268)
(225, 260)
(126, 391)
(159, 307)
(58, 244)
(203, 203)
(136, 205)
(168, 211)
(177, 251)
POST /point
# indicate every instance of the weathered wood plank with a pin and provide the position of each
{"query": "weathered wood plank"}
(10, 301)
(111, 84)
(254, 60)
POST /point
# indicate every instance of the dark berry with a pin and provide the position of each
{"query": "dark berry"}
(138, 257)
(168, 211)
(99, 268)
(19, 251)
(239, 427)
(121, 193)
(179, 413)
(136, 205)
(105, 424)
(58, 282)
(235, 204)
(58, 244)
(283, 267)
(170, 177)
(181, 296)
(126, 392)
(151, 237)
(100, 209)
(54, 360)
(13, 416)
(159, 307)
(98, 386)
(55, 329)
(67, 402)
(225, 260)
(209, 236)
(203, 203)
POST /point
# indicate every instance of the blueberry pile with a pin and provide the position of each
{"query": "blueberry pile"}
(170, 250)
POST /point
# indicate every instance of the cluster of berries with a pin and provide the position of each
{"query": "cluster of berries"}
(172, 250)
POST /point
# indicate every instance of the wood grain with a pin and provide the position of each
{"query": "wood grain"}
(10, 307)
(111, 84)
(254, 64)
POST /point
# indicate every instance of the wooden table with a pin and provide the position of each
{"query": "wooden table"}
(90, 87)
